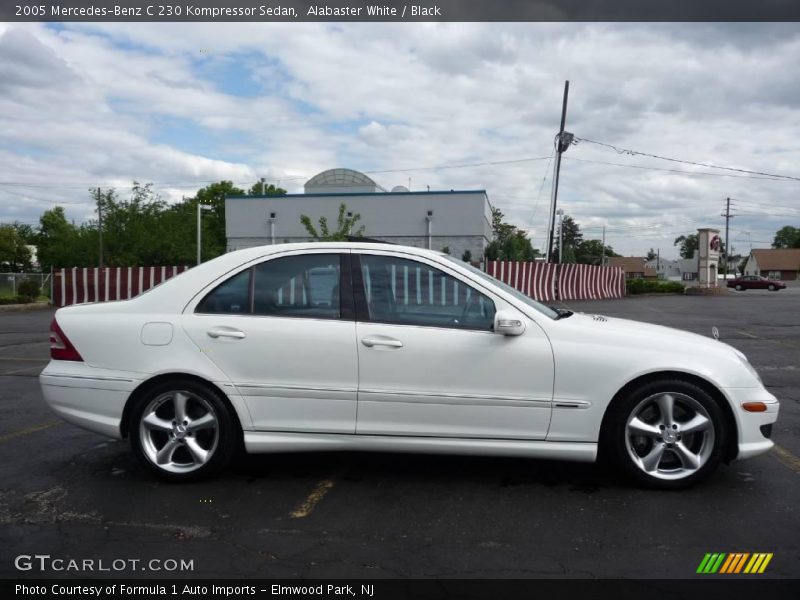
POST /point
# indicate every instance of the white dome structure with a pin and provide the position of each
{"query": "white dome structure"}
(344, 181)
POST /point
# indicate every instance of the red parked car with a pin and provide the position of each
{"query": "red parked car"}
(754, 282)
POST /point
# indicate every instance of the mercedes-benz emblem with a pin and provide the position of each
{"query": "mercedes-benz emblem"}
(715, 333)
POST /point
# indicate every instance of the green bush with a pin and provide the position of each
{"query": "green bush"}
(29, 289)
(15, 300)
(653, 286)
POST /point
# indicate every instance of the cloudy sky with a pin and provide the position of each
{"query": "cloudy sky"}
(182, 105)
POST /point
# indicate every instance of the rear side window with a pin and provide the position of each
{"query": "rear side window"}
(298, 286)
(232, 297)
(305, 285)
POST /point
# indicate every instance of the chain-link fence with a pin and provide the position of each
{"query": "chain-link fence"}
(10, 282)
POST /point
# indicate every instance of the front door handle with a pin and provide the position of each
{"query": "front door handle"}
(369, 342)
(229, 332)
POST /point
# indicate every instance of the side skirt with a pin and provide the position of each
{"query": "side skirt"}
(257, 442)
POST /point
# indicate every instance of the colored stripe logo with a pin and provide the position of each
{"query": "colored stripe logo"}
(734, 563)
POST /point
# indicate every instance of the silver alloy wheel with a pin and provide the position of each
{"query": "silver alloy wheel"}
(179, 431)
(669, 435)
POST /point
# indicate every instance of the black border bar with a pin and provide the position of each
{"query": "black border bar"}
(401, 11)
(711, 588)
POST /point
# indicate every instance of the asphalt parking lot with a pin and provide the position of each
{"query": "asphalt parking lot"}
(74, 494)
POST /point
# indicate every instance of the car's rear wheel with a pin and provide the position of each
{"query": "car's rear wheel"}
(667, 434)
(739, 287)
(183, 431)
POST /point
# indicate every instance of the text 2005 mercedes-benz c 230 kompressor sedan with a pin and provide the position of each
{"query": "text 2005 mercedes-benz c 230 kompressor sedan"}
(355, 346)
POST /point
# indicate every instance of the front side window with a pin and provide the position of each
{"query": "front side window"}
(406, 292)
(545, 310)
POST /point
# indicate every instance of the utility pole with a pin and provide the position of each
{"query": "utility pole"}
(658, 260)
(603, 249)
(263, 189)
(560, 235)
(563, 142)
(100, 226)
(727, 214)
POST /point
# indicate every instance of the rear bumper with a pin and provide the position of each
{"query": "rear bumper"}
(751, 439)
(90, 398)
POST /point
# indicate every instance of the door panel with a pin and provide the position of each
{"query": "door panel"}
(450, 381)
(297, 371)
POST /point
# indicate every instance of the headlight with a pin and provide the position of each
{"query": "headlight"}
(748, 366)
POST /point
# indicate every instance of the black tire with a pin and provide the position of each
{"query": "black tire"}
(772, 288)
(217, 443)
(739, 287)
(620, 443)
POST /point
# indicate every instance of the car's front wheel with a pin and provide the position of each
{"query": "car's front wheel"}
(772, 287)
(667, 434)
(183, 431)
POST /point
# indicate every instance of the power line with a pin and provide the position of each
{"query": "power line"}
(686, 162)
(680, 171)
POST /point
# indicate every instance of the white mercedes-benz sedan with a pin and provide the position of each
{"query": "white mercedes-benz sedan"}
(357, 346)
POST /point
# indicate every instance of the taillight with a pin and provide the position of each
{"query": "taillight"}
(60, 346)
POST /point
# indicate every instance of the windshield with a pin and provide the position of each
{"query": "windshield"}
(545, 310)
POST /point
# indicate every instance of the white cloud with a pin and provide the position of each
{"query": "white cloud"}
(90, 105)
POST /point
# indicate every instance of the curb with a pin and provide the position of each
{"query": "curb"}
(24, 307)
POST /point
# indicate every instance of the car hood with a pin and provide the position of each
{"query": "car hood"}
(623, 349)
(647, 335)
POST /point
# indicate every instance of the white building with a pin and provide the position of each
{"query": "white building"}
(458, 220)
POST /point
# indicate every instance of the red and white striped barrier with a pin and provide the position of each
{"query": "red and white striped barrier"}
(547, 282)
(536, 279)
(87, 284)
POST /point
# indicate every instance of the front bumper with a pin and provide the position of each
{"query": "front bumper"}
(751, 438)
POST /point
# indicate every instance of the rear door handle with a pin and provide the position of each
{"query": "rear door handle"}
(369, 342)
(229, 332)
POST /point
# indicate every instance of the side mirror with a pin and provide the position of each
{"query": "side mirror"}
(508, 323)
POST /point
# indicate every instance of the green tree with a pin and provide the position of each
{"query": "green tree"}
(652, 254)
(571, 234)
(590, 252)
(269, 190)
(345, 226)
(787, 237)
(688, 244)
(568, 255)
(26, 232)
(572, 238)
(510, 242)
(61, 243)
(214, 194)
(133, 230)
(15, 255)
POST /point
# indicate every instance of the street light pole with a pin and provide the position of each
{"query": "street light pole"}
(560, 213)
(200, 207)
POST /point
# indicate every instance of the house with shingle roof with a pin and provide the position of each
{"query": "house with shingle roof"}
(775, 263)
(635, 267)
